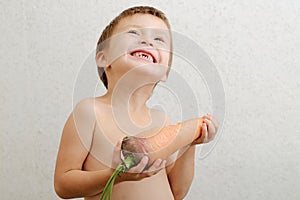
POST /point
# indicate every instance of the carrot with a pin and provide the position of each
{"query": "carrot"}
(167, 141)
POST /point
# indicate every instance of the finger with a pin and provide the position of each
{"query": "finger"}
(161, 166)
(214, 121)
(164, 163)
(116, 154)
(154, 169)
(207, 116)
(211, 128)
(204, 132)
(155, 166)
(141, 166)
(119, 148)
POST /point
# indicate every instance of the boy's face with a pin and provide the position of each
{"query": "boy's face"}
(142, 42)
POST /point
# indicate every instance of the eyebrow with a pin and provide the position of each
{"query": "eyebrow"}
(133, 25)
(140, 27)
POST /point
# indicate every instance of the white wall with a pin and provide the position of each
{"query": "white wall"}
(254, 44)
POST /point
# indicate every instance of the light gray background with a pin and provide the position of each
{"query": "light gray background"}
(254, 44)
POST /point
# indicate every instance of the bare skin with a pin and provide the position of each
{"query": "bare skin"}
(89, 149)
(134, 180)
(87, 158)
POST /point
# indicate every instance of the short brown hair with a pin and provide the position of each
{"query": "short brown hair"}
(107, 32)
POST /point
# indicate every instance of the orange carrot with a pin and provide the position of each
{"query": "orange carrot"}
(167, 141)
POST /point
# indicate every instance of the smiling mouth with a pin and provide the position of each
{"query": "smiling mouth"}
(141, 54)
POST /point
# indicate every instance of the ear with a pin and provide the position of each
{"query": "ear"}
(101, 59)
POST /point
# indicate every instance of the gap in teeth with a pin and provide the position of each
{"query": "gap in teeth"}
(143, 55)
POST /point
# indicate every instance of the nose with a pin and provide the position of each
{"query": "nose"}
(145, 41)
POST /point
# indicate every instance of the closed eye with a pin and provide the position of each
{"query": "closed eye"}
(159, 39)
(133, 32)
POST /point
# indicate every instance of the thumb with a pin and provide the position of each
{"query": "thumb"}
(117, 154)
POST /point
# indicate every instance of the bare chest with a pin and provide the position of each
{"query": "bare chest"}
(111, 128)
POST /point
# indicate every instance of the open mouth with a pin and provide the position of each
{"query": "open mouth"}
(145, 55)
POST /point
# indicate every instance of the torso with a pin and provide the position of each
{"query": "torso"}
(109, 129)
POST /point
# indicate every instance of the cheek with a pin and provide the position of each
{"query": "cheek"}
(165, 57)
(119, 47)
(116, 53)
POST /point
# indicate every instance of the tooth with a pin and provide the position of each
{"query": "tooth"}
(144, 56)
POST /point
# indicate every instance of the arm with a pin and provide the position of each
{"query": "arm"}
(181, 172)
(69, 179)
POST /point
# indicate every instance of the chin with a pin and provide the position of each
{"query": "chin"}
(139, 70)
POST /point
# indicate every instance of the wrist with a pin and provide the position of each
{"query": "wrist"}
(121, 178)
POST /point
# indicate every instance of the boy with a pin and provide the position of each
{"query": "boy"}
(133, 55)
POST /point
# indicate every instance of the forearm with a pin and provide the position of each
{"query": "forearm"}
(78, 183)
(182, 173)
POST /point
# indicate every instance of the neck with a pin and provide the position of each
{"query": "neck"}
(131, 96)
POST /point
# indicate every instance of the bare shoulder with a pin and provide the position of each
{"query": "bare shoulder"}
(83, 120)
(85, 107)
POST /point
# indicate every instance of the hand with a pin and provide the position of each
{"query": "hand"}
(208, 131)
(139, 171)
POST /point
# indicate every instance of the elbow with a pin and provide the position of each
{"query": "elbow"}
(180, 191)
(180, 194)
(60, 189)
(60, 193)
